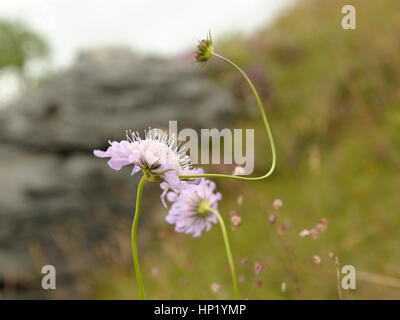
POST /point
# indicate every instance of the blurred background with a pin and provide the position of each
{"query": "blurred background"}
(73, 76)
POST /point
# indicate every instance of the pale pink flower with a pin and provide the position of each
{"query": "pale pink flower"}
(283, 287)
(244, 261)
(258, 268)
(272, 218)
(321, 225)
(281, 229)
(155, 271)
(156, 154)
(233, 213)
(187, 211)
(240, 199)
(215, 287)
(277, 203)
(316, 259)
(236, 221)
(314, 233)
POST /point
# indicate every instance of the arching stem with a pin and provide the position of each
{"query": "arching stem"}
(267, 128)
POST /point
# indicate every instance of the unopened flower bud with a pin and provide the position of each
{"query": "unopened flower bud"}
(204, 50)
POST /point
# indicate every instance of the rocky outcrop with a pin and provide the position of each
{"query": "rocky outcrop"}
(58, 202)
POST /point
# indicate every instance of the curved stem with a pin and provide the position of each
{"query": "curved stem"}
(267, 128)
(143, 180)
(228, 251)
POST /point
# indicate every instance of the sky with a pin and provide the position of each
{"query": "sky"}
(149, 26)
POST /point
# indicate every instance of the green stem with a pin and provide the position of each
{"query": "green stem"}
(228, 251)
(267, 128)
(143, 180)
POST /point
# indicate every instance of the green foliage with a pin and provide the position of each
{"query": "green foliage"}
(18, 44)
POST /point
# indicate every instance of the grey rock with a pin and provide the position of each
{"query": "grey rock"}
(58, 202)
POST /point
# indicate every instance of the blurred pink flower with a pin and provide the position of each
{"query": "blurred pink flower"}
(155, 271)
(233, 213)
(258, 268)
(281, 229)
(272, 218)
(236, 221)
(277, 203)
(314, 233)
(215, 287)
(316, 259)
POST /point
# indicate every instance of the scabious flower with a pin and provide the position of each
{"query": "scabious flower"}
(157, 155)
(190, 210)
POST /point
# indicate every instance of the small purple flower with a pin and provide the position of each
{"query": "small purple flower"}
(190, 208)
(156, 154)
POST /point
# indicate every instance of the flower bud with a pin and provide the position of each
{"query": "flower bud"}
(204, 50)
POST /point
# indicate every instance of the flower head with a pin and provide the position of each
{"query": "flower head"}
(157, 155)
(205, 50)
(190, 210)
